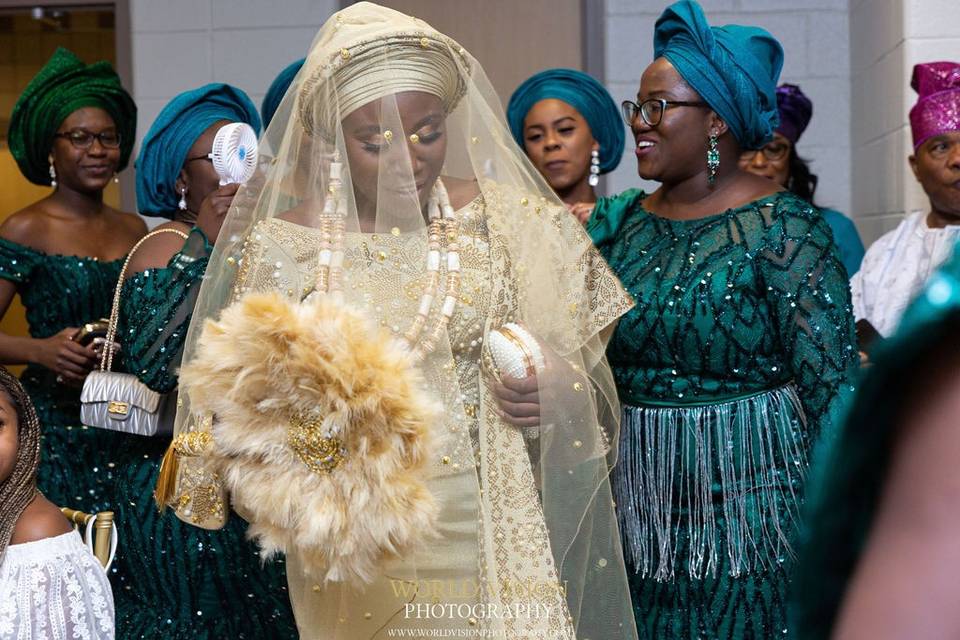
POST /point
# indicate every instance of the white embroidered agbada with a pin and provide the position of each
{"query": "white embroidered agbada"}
(895, 269)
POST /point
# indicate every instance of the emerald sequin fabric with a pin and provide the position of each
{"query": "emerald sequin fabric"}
(57, 292)
(175, 580)
(734, 361)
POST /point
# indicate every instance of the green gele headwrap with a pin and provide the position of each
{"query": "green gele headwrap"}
(62, 86)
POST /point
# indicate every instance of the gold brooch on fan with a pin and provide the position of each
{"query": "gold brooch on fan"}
(314, 445)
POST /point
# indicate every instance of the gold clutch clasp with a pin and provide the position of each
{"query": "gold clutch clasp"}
(118, 408)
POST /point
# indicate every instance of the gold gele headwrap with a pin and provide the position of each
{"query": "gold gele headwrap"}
(421, 59)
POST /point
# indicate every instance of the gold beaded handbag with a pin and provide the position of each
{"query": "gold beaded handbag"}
(120, 401)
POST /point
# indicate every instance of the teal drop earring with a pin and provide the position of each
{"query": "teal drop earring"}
(713, 160)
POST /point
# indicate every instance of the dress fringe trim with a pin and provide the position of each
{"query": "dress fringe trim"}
(726, 476)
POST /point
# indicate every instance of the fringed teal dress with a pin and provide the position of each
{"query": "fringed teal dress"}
(77, 467)
(734, 360)
(175, 581)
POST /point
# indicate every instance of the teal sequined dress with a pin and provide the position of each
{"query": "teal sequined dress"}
(176, 581)
(76, 465)
(735, 358)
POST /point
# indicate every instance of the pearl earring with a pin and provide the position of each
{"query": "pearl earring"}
(53, 176)
(116, 178)
(594, 178)
(183, 199)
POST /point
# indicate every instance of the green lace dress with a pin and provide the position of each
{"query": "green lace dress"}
(77, 467)
(175, 581)
(735, 358)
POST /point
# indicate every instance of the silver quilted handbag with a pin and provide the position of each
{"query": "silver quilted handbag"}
(119, 401)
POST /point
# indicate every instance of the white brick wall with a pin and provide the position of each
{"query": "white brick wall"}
(182, 44)
(887, 38)
(814, 34)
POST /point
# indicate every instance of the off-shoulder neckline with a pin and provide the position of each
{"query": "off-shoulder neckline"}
(59, 256)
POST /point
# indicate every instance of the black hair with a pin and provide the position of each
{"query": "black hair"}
(801, 181)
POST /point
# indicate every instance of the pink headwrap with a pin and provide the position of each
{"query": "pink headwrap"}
(938, 105)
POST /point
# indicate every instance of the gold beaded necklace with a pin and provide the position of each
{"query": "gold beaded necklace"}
(442, 233)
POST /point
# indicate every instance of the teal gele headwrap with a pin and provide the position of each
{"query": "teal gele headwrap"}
(180, 123)
(734, 68)
(583, 93)
(278, 89)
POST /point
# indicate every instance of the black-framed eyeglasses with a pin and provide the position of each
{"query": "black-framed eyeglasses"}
(651, 109)
(772, 151)
(81, 139)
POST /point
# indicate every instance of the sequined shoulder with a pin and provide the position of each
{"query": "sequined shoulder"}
(17, 261)
(609, 213)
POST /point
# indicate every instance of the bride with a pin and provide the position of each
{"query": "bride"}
(351, 381)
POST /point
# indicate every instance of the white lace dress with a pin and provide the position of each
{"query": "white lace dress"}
(54, 589)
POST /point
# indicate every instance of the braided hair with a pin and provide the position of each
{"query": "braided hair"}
(17, 491)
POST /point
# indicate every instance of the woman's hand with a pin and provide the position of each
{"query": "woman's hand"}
(214, 209)
(581, 211)
(98, 344)
(519, 400)
(69, 360)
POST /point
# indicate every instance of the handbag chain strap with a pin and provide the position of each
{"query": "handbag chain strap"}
(106, 359)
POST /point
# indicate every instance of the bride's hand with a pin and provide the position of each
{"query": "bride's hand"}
(519, 400)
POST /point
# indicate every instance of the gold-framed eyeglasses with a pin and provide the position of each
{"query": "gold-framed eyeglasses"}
(772, 151)
(81, 139)
(651, 109)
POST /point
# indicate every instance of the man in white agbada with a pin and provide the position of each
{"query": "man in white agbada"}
(897, 265)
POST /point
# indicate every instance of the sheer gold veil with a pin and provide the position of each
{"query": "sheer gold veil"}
(526, 542)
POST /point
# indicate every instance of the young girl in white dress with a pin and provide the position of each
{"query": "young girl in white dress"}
(51, 586)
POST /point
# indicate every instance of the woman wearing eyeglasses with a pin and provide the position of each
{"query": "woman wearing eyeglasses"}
(779, 161)
(738, 351)
(72, 129)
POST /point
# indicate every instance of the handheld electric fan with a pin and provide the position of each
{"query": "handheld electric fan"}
(234, 153)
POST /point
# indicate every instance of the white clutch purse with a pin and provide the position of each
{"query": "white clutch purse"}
(514, 351)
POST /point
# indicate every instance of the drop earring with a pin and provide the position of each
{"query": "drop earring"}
(116, 178)
(182, 205)
(594, 178)
(53, 176)
(713, 160)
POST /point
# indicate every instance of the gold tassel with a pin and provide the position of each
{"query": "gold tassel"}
(167, 478)
(192, 444)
